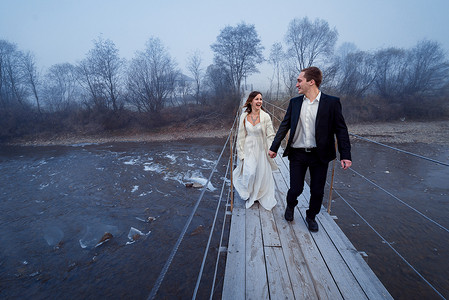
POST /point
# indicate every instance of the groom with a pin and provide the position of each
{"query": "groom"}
(313, 119)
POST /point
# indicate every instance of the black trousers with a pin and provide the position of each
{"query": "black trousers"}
(300, 161)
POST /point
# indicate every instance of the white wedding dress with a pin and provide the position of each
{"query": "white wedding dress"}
(253, 178)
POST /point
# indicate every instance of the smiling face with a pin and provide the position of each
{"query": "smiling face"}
(302, 84)
(256, 104)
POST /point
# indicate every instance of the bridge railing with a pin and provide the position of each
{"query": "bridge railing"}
(277, 112)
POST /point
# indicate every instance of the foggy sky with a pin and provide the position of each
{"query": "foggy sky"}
(58, 31)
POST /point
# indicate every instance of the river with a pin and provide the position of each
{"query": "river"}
(57, 202)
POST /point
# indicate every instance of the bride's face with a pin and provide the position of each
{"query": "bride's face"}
(256, 104)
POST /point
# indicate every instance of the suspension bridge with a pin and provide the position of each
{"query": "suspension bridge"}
(269, 258)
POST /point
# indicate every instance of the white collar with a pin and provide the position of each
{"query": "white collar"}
(318, 97)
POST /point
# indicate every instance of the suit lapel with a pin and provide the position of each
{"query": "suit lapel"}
(295, 115)
(321, 104)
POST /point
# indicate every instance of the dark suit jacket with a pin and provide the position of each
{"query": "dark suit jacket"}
(329, 123)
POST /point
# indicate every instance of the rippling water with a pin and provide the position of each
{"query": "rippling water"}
(404, 202)
(57, 203)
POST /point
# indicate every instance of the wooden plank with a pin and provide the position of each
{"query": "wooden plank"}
(366, 278)
(342, 275)
(274, 259)
(279, 281)
(298, 272)
(256, 276)
(234, 280)
(283, 169)
(325, 285)
(269, 230)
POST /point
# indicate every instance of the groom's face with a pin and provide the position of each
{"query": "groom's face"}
(301, 84)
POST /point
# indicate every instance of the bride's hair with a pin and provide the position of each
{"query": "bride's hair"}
(251, 96)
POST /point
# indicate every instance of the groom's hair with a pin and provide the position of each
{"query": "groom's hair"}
(313, 73)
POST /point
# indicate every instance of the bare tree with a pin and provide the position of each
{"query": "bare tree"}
(357, 73)
(276, 59)
(345, 49)
(13, 87)
(194, 66)
(309, 42)
(218, 81)
(151, 77)
(238, 50)
(31, 76)
(289, 75)
(91, 84)
(332, 73)
(182, 93)
(6, 51)
(100, 74)
(391, 70)
(61, 88)
(428, 68)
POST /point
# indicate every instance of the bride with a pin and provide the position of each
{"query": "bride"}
(253, 178)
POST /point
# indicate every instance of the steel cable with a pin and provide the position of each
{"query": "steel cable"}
(223, 227)
(400, 150)
(164, 270)
(389, 244)
(200, 274)
(395, 197)
(378, 143)
(403, 202)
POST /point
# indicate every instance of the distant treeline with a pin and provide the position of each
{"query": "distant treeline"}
(105, 92)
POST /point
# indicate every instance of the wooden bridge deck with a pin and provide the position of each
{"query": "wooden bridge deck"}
(270, 258)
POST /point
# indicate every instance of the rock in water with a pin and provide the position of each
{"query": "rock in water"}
(198, 230)
(135, 234)
(106, 237)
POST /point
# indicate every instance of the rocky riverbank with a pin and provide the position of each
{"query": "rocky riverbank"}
(404, 132)
(392, 132)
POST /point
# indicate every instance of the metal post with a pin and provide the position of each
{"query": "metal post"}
(232, 182)
(332, 183)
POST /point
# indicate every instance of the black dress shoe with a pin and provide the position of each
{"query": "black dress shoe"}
(312, 224)
(289, 212)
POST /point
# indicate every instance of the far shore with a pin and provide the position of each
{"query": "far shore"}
(433, 132)
(429, 132)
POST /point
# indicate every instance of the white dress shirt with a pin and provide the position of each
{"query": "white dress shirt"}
(305, 130)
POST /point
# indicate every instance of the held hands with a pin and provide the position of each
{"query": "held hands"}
(345, 164)
(272, 154)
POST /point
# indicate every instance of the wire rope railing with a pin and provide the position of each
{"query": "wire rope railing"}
(400, 150)
(167, 264)
(389, 245)
(369, 140)
(212, 291)
(372, 182)
(210, 236)
(225, 180)
(230, 197)
(390, 194)
(233, 154)
(214, 221)
(398, 199)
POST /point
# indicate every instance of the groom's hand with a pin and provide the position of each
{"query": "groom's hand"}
(272, 154)
(345, 163)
